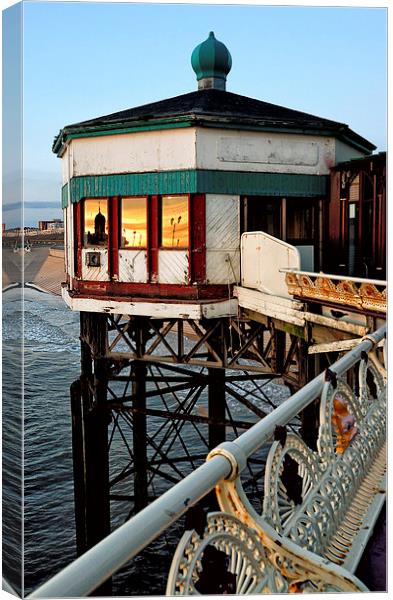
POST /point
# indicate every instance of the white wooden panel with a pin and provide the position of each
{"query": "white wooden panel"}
(264, 152)
(133, 266)
(267, 151)
(222, 267)
(95, 273)
(66, 245)
(222, 221)
(135, 152)
(64, 166)
(262, 257)
(173, 266)
(70, 239)
(157, 310)
(278, 301)
(266, 305)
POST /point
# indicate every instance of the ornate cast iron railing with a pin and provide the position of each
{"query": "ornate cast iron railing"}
(303, 541)
(368, 295)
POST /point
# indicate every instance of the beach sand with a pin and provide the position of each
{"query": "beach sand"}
(40, 268)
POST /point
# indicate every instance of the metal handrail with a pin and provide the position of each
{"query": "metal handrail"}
(90, 570)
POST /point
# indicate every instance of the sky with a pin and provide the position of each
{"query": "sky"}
(83, 59)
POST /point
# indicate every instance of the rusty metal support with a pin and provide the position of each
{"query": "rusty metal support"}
(217, 404)
(278, 341)
(78, 465)
(135, 369)
(308, 370)
(139, 430)
(90, 439)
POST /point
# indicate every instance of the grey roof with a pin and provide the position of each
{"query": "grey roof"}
(220, 107)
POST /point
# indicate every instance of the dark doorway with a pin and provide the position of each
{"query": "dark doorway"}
(294, 220)
(261, 213)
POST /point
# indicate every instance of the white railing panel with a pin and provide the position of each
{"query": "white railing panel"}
(262, 259)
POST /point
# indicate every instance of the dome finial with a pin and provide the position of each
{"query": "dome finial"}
(211, 62)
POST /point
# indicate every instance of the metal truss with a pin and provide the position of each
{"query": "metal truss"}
(170, 391)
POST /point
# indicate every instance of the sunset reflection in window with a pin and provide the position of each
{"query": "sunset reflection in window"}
(133, 223)
(96, 222)
(174, 222)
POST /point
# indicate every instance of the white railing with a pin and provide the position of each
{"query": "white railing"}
(86, 573)
(262, 257)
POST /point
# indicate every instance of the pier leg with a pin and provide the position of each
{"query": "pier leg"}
(78, 464)
(90, 440)
(216, 400)
(308, 369)
(278, 349)
(139, 430)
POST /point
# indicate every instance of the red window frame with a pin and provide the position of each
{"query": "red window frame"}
(196, 235)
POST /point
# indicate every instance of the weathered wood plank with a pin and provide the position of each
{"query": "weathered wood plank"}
(157, 310)
(334, 346)
(332, 323)
(277, 300)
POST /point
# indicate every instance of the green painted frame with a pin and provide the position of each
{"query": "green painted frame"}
(193, 181)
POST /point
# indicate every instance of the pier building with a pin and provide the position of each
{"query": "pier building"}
(198, 249)
(175, 183)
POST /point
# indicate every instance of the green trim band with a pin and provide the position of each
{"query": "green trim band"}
(195, 181)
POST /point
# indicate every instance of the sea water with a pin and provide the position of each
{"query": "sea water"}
(51, 362)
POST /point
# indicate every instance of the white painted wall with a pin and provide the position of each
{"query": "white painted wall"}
(133, 266)
(95, 273)
(67, 245)
(202, 148)
(163, 150)
(222, 238)
(173, 266)
(264, 152)
(67, 164)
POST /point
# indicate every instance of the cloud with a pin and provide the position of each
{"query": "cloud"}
(39, 205)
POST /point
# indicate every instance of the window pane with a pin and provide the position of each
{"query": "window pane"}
(133, 223)
(96, 222)
(174, 222)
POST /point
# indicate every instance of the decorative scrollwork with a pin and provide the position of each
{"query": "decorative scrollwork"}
(246, 557)
(279, 506)
(314, 504)
(372, 381)
(364, 295)
(303, 570)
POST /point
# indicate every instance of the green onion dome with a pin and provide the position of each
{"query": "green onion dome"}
(211, 59)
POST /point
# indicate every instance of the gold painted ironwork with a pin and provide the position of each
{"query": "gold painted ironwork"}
(363, 296)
